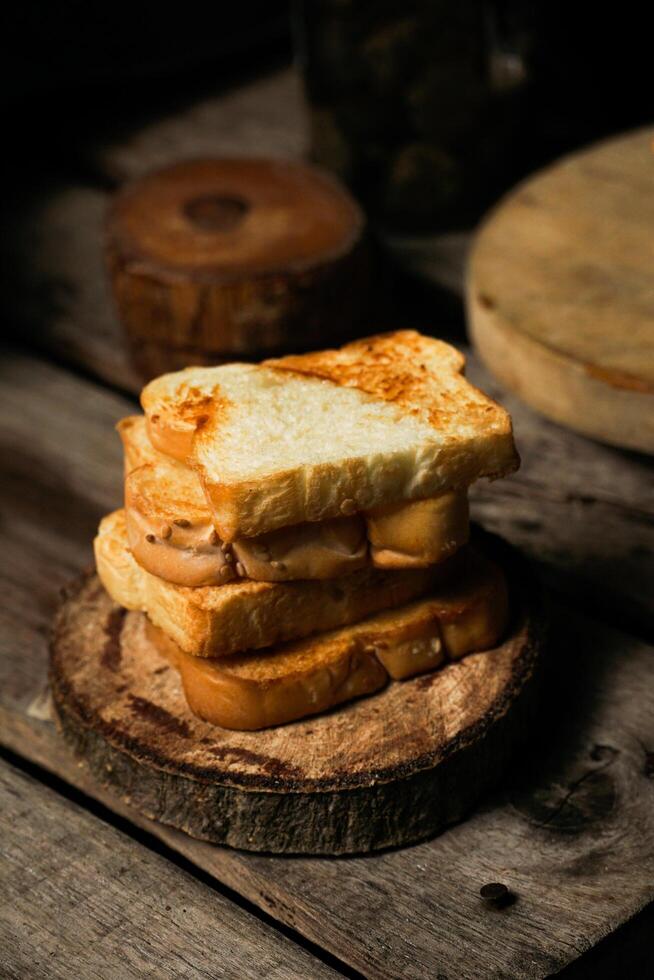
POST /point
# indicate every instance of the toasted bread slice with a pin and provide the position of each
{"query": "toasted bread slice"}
(315, 436)
(171, 531)
(171, 535)
(138, 449)
(177, 404)
(168, 523)
(293, 681)
(169, 527)
(256, 690)
(214, 621)
(418, 533)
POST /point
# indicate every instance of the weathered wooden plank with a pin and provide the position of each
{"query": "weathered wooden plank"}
(583, 510)
(82, 899)
(573, 834)
(60, 470)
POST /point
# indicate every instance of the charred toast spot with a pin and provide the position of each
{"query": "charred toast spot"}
(154, 713)
(392, 368)
(195, 405)
(193, 408)
(195, 398)
(201, 411)
(111, 651)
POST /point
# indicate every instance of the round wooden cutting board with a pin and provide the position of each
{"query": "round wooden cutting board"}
(560, 291)
(386, 770)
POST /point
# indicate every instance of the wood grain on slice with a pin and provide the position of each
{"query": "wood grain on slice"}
(383, 771)
(82, 899)
(234, 257)
(584, 511)
(561, 296)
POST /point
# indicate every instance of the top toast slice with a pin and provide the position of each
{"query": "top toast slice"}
(138, 450)
(170, 528)
(308, 437)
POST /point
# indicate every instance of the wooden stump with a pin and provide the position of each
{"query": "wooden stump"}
(383, 771)
(561, 292)
(217, 259)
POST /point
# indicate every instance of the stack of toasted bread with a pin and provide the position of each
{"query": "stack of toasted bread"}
(296, 531)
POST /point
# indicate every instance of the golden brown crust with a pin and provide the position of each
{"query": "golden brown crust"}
(137, 446)
(453, 434)
(172, 535)
(230, 694)
(408, 369)
(418, 533)
(215, 621)
(260, 689)
(173, 417)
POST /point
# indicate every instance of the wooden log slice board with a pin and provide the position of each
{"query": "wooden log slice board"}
(383, 771)
(560, 291)
(216, 259)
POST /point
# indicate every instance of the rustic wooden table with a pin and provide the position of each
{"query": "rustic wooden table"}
(90, 888)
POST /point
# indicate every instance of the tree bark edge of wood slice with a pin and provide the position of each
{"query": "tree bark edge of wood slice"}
(236, 258)
(290, 789)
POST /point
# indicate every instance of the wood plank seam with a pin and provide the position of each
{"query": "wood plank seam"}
(83, 900)
(140, 835)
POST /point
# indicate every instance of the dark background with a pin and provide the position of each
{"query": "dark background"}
(73, 71)
(431, 137)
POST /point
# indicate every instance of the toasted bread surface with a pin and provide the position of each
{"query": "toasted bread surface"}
(418, 533)
(171, 534)
(138, 448)
(176, 404)
(121, 576)
(290, 681)
(169, 526)
(215, 621)
(309, 437)
(471, 610)
(171, 531)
